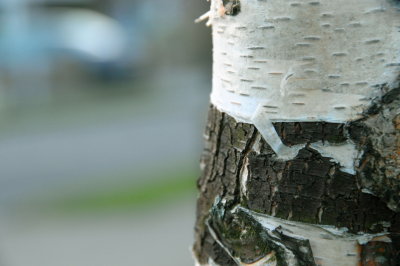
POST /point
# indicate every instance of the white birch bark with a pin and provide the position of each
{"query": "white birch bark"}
(304, 61)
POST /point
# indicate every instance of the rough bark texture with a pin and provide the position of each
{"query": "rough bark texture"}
(310, 188)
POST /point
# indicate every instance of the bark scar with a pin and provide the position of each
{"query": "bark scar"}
(231, 7)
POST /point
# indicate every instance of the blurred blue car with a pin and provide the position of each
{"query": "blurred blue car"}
(32, 37)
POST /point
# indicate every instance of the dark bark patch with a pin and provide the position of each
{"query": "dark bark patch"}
(395, 2)
(216, 252)
(311, 188)
(378, 136)
(391, 96)
(232, 7)
(293, 133)
(227, 144)
(378, 253)
(249, 241)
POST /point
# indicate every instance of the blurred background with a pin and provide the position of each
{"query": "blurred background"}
(102, 109)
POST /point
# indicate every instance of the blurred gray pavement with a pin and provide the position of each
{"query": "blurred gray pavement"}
(48, 156)
(166, 132)
(161, 236)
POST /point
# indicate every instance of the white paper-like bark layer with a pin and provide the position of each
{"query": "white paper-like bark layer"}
(301, 60)
(330, 245)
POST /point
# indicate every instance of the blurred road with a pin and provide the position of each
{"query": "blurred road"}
(49, 155)
(167, 132)
(84, 129)
(161, 236)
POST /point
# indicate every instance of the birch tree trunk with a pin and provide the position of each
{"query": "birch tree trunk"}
(301, 164)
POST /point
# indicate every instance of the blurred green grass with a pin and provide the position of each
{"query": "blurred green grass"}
(131, 196)
(163, 187)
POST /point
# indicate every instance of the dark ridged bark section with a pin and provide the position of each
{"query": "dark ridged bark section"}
(310, 188)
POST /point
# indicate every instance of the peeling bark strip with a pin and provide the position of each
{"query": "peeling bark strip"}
(301, 164)
(289, 243)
